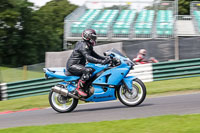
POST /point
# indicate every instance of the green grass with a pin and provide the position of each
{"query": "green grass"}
(25, 103)
(158, 87)
(173, 85)
(17, 74)
(158, 124)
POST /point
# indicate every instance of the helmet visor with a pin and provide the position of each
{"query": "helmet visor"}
(93, 37)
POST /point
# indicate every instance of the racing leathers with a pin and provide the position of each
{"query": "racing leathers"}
(76, 64)
(140, 59)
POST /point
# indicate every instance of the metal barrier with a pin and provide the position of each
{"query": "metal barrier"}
(176, 69)
(167, 70)
(27, 88)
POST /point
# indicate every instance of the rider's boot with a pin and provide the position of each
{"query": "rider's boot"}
(79, 88)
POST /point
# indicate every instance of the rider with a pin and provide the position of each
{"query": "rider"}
(83, 52)
(140, 59)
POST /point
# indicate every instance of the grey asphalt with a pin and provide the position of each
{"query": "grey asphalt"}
(107, 111)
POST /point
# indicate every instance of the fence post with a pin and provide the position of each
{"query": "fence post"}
(0, 93)
(25, 72)
(3, 91)
(176, 48)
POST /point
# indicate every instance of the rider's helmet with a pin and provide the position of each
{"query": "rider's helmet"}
(143, 51)
(90, 36)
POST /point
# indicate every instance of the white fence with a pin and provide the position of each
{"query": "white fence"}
(143, 72)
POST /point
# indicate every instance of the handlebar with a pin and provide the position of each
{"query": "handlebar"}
(114, 62)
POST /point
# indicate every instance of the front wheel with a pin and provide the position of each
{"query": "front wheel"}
(132, 97)
(61, 103)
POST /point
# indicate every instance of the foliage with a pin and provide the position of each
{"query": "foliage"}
(14, 17)
(184, 6)
(26, 34)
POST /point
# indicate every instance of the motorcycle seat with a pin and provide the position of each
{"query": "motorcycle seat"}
(60, 73)
(67, 73)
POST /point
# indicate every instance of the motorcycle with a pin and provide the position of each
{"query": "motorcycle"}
(106, 83)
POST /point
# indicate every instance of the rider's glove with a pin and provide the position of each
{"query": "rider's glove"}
(106, 61)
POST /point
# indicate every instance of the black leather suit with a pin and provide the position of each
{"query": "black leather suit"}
(82, 53)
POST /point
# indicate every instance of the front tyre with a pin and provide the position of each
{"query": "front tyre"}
(61, 103)
(132, 97)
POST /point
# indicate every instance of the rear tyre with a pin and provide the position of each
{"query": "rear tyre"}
(61, 103)
(134, 97)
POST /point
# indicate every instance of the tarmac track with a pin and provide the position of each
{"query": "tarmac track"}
(106, 111)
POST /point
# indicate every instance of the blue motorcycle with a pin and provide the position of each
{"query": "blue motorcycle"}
(107, 83)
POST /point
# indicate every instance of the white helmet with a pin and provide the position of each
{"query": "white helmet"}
(143, 51)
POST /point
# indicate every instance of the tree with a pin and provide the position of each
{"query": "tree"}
(49, 19)
(184, 6)
(12, 24)
(26, 34)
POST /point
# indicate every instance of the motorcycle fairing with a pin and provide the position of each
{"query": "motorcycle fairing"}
(112, 76)
(101, 95)
(96, 67)
(128, 81)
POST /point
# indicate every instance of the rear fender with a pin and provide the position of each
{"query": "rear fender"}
(60, 74)
(128, 82)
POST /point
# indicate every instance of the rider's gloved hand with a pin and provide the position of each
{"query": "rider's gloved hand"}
(106, 61)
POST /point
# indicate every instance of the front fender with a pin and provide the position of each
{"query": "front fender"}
(128, 81)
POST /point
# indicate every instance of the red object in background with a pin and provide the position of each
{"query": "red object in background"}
(151, 60)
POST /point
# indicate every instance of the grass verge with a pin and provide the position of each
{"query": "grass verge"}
(24, 103)
(157, 87)
(17, 74)
(158, 124)
(173, 85)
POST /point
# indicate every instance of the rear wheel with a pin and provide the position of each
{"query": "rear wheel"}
(61, 103)
(132, 97)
